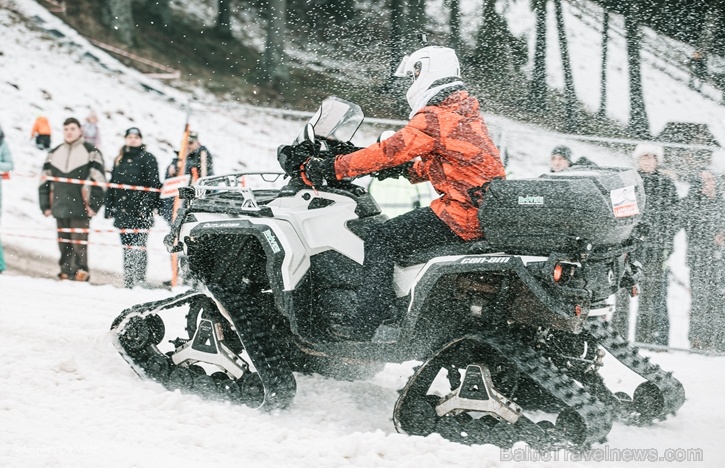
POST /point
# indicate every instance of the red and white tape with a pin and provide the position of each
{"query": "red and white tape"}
(99, 184)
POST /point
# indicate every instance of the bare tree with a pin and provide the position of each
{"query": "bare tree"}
(158, 11)
(274, 69)
(566, 65)
(638, 122)
(537, 91)
(455, 24)
(224, 18)
(603, 79)
(117, 15)
(416, 23)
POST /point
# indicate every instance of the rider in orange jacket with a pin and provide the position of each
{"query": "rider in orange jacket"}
(447, 143)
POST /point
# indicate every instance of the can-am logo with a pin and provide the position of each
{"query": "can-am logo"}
(485, 260)
(529, 200)
(272, 241)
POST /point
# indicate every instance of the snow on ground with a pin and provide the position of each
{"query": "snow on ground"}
(68, 399)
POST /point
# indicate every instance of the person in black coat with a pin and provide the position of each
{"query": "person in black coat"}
(703, 217)
(133, 209)
(660, 211)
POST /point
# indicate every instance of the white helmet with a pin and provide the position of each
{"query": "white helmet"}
(425, 66)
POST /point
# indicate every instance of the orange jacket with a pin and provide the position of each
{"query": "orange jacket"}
(40, 127)
(456, 155)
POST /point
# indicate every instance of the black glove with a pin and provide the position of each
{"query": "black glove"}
(318, 170)
(394, 172)
(342, 147)
(291, 157)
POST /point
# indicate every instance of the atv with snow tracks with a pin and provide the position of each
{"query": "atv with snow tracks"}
(511, 332)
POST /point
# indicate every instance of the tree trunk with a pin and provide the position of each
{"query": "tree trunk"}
(224, 19)
(118, 17)
(455, 25)
(638, 122)
(537, 91)
(396, 42)
(416, 23)
(274, 68)
(159, 11)
(566, 65)
(603, 80)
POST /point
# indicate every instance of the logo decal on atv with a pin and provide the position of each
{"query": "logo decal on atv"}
(529, 200)
(272, 241)
(220, 224)
(486, 260)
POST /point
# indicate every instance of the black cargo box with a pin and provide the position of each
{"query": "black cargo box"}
(560, 212)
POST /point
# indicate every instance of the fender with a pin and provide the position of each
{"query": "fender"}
(552, 311)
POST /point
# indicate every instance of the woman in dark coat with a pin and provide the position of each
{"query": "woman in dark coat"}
(133, 209)
(703, 217)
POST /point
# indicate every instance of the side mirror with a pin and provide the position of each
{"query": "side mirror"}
(385, 135)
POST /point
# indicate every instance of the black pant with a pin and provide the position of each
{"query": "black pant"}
(403, 235)
(42, 141)
(73, 245)
(653, 322)
(135, 258)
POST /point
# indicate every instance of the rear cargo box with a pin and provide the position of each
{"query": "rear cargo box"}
(560, 212)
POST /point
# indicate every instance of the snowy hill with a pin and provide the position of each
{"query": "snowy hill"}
(67, 398)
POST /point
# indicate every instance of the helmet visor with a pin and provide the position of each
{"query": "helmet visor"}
(401, 72)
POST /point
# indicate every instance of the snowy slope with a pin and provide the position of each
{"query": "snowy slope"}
(66, 397)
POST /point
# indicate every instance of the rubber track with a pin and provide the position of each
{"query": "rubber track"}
(671, 389)
(279, 383)
(596, 416)
(277, 380)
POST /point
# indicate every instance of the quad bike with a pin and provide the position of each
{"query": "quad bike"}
(510, 331)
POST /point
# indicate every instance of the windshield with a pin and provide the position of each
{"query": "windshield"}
(336, 119)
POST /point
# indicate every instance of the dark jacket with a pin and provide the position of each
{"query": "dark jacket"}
(703, 218)
(133, 208)
(660, 210)
(78, 160)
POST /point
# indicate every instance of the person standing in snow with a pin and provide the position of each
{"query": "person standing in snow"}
(72, 204)
(134, 209)
(41, 132)
(447, 143)
(6, 165)
(702, 214)
(653, 323)
(91, 133)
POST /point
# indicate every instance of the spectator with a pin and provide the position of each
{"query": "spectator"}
(73, 205)
(698, 70)
(198, 163)
(703, 217)
(445, 142)
(41, 132)
(133, 209)
(6, 165)
(560, 158)
(198, 160)
(653, 324)
(91, 133)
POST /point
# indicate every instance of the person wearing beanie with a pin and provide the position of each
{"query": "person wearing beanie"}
(560, 158)
(652, 324)
(71, 204)
(134, 209)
